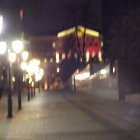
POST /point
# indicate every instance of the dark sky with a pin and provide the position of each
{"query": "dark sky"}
(49, 16)
(52, 16)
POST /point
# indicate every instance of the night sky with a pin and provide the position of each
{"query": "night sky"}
(51, 16)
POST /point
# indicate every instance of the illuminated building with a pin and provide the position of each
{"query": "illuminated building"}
(69, 40)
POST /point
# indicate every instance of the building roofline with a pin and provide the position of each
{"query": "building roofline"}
(80, 29)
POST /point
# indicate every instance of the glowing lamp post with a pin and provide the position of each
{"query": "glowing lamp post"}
(17, 47)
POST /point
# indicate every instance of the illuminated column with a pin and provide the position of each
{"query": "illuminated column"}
(57, 57)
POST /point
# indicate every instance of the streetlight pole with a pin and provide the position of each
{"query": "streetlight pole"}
(9, 93)
(17, 46)
(34, 88)
(28, 88)
(19, 88)
(12, 57)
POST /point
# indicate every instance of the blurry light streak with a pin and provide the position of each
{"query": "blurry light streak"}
(82, 76)
(57, 57)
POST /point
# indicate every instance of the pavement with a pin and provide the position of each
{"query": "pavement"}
(62, 115)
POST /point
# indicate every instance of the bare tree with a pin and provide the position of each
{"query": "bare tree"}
(80, 14)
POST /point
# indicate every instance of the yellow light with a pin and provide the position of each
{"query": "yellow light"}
(3, 47)
(100, 56)
(57, 57)
(58, 70)
(25, 55)
(30, 80)
(23, 65)
(80, 34)
(12, 57)
(45, 60)
(17, 46)
(66, 32)
(89, 31)
(13, 79)
(1, 24)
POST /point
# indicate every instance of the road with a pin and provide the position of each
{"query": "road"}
(67, 116)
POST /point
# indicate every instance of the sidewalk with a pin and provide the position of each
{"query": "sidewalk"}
(65, 116)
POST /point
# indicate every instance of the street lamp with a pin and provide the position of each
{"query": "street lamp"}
(18, 46)
(25, 55)
(12, 58)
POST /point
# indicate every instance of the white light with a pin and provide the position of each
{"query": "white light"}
(82, 76)
(57, 57)
(23, 65)
(3, 47)
(87, 56)
(33, 66)
(114, 69)
(103, 71)
(39, 75)
(17, 46)
(25, 55)
(58, 70)
(12, 57)
(1, 24)
(41, 72)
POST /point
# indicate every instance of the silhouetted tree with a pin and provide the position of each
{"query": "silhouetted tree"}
(124, 37)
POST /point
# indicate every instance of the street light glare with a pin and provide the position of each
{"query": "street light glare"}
(25, 55)
(3, 47)
(17, 46)
(12, 57)
(1, 23)
(23, 65)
